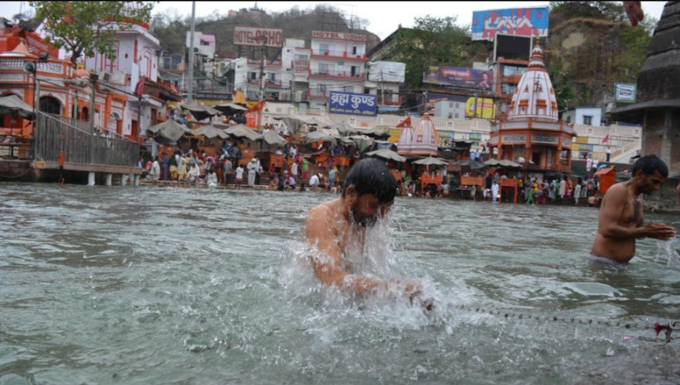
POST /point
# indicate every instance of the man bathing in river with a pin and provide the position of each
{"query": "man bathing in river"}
(621, 219)
(367, 196)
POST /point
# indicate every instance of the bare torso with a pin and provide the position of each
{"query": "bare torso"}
(629, 215)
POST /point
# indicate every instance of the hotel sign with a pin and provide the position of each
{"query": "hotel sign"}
(339, 36)
(249, 36)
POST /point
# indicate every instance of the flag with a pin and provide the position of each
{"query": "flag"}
(258, 107)
(606, 139)
(139, 89)
(405, 123)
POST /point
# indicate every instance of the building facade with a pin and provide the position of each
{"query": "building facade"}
(587, 116)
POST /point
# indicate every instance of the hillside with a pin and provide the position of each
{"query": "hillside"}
(295, 23)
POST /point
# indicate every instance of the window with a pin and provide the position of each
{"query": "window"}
(354, 50)
(301, 57)
(321, 88)
(508, 89)
(324, 48)
(349, 89)
(271, 77)
(252, 75)
(587, 120)
(323, 68)
(513, 71)
(457, 116)
(451, 105)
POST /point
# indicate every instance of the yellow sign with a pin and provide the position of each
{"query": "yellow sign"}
(40, 165)
(395, 135)
(484, 108)
(582, 140)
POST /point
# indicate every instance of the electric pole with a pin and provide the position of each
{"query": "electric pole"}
(190, 86)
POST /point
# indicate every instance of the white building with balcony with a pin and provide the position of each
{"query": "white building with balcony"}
(338, 63)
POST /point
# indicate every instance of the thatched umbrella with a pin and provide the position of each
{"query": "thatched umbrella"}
(363, 142)
(473, 164)
(430, 161)
(242, 131)
(13, 105)
(199, 111)
(387, 155)
(170, 130)
(210, 132)
(345, 128)
(230, 108)
(273, 139)
(502, 164)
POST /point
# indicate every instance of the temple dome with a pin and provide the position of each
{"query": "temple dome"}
(535, 95)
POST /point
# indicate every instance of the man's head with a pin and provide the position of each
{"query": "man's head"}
(649, 173)
(369, 191)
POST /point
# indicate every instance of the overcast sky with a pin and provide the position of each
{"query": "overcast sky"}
(383, 17)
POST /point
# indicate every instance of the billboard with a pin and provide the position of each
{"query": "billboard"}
(339, 36)
(483, 108)
(513, 47)
(625, 92)
(353, 104)
(515, 21)
(248, 35)
(301, 66)
(459, 77)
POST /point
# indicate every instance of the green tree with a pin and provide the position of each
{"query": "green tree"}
(564, 90)
(83, 27)
(432, 41)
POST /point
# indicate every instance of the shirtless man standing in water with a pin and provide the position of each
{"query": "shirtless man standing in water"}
(367, 196)
(621, 219)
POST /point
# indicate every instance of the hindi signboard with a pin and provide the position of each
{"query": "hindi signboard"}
(514, 21)
(626, 92)
(249, 36)
(459, 77)
(353, 104)
(301, 66)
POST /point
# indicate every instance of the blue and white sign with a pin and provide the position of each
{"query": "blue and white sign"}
(516, 21)
(353, 104)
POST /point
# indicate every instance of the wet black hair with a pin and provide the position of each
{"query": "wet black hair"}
(371, 176)
(649, 165)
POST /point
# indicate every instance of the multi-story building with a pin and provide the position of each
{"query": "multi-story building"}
(137, 58)
(587, 116)
(384, 79)
(338, 63)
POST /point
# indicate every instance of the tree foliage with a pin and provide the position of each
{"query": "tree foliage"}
(86, 27)
(605, 10)
(431, 41)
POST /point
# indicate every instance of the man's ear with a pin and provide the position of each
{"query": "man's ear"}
(351, 195)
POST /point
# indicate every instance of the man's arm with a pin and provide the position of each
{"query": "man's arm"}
(328, 266)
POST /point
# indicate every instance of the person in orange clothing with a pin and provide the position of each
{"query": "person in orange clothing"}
(61, 168)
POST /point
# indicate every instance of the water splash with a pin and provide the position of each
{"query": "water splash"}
(667, 250)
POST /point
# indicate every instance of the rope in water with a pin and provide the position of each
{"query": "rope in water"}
(505, 313)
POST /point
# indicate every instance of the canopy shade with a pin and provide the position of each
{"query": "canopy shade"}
(242, 131)
(502, 163)
(374, 132)
(170, 130)
(430, 161)
(230, 108)
(345, 128)
(295, 122)
(362, 142)
(388, 155)
(327, 135)
(13, 105)
(473, 164)
(210, 132)
(274, 139)
(199, 111)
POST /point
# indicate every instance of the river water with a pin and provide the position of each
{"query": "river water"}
(180, 286)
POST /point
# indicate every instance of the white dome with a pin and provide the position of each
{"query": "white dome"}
(535, 95)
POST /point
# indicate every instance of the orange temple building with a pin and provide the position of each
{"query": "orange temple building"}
(533, 135)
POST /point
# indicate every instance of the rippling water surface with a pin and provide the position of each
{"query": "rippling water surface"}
(140, 286)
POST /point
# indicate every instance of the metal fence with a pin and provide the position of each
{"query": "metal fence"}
(53, 135)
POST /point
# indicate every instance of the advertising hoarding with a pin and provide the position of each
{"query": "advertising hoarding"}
(484, 108)
(514, 21)
(459, 77)
(625, 92)
(353, 104)
(248, 36)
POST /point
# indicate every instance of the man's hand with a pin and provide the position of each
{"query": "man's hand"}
(659, 231)
(634, 12)
(415, 297)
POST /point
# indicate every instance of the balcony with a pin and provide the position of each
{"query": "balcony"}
(268, 64)
(512, 79)
(390, 100)
(330, 54)
(318, 94)
(268, 83)
(332, 74)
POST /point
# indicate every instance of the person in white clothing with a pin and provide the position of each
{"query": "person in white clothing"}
(596, 163)
(494, 191)
(212, 179)
(314, 181)
(155, 171)
(577, 190)
(252, 170)
(294, 170)
(589, 164)
(193, 174)
(239, 176)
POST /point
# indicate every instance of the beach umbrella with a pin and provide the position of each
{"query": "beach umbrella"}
(387, 155)
(362, 142)
(374, 133)
(13, 105)
(430, 161)
(345, 128)
(199, 111)
(170, 130)
(230, 108)
(243, 131)
(274, 139)
(502, 163)
(321, 135)
(473, 164)
(210, 132)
